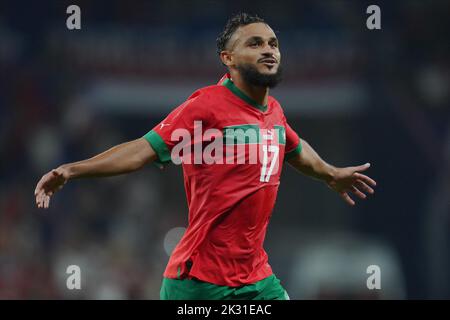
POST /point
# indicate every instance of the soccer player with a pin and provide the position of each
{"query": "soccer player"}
(230, 199)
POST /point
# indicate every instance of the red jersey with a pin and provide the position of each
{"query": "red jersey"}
(230, 200)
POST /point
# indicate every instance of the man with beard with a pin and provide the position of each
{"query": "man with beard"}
(230, 202)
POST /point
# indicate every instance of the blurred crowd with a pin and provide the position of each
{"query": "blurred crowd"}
(57, 105)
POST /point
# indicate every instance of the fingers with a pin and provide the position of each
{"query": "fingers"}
(363, 186)
(346, 197)
(46, 201)
(47, 186)
(43, 199)
(358, 193)
(355, 182)
(38, 187)
(39, 192)
(363, 167)
(39, 199)
(365, 178)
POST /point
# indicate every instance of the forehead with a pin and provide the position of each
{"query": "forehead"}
(252, 30)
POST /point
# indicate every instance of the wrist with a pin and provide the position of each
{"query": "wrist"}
(67, 171)
(330, 174)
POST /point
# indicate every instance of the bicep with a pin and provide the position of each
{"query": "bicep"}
(293, 147)
(296, 156)
(178, 124)
(305, 157)
(143, 150)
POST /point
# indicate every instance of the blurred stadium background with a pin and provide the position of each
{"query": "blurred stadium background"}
(356, 95)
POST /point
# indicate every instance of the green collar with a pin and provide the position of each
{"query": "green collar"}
(230, 85)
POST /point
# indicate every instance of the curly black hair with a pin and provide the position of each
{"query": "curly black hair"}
(240, 19)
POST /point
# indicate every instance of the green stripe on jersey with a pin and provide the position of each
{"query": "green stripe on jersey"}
(159, 146)
(241, 134)
(296, 151)
(249, 134)
(281, 134)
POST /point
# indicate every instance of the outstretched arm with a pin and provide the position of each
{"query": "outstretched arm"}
(123, 158)
(341, 180)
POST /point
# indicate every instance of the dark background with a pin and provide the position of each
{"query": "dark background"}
(357, 95)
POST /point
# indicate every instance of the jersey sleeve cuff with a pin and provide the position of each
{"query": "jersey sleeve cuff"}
(160, 147)
(294, 152)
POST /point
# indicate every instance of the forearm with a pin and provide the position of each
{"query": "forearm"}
(120, 159)
(311, 164)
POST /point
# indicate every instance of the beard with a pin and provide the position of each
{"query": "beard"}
(252, 76)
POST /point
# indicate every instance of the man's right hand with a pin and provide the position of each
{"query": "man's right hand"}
(49, 184)
(123, 158)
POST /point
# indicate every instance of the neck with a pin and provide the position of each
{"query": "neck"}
(259, 94)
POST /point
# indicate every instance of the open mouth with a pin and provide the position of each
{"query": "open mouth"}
(270, 63)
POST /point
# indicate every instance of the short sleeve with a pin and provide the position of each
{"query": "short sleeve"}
(293, 143)
(183, 118)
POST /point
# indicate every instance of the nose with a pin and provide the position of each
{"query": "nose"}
(269, 51)
(267, 54)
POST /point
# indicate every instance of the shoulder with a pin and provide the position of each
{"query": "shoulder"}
(203, 99)
(272, 101)
(200, 102)
(208, 94)
(275, 104)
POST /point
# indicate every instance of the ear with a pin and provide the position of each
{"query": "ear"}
(227, 58)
